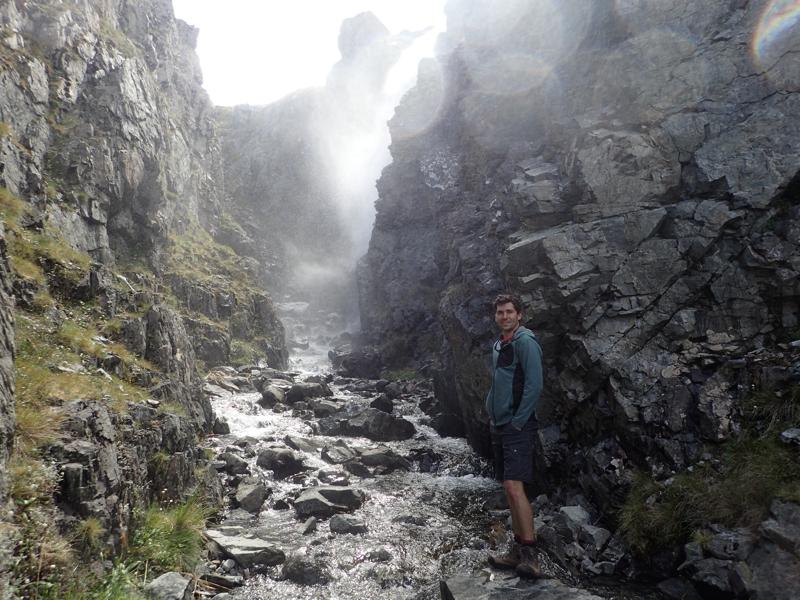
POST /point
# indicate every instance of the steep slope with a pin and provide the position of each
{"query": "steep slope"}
(631, 170)
(110, 190)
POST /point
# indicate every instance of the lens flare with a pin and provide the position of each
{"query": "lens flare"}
(777, 29)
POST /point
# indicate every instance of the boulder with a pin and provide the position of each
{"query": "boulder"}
(246, 550)
(323, 502)
(379, 426)
(347, 524)
(270, 396)
(477, 587)
(338, 453)
(282, 463)
(251, 496)
(386, 458)
(169, 586)
(383, 403)
(234, 464)
(307, 390)
(303, 570)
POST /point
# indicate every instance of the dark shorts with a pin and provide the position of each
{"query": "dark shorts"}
(513, 451)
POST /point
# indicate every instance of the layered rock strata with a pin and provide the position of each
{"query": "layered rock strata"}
(631, 171)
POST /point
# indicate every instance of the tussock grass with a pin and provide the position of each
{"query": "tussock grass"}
(88, 534)
(36, 427)
(171, 538)
(774, 411)
(734, 492)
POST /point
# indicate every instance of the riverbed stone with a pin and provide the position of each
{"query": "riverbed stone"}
(383, 402)
(307, 390)
(250, 496)
(347, 524)
(386, 458)
(379, 426)
(270, 396)
(338, 453)
(783, 526)
(234, 464)
(169, 586)
(283, 463)
(476, 587)
(304, 570)
(247, 550)
(323, 502)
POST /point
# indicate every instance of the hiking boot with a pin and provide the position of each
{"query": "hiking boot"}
(528, 565)
(509, 560)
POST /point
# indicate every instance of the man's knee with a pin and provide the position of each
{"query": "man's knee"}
(514, 489)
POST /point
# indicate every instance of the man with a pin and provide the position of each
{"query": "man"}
(511, 404)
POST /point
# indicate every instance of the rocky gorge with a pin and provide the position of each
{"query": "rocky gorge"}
(629, 168)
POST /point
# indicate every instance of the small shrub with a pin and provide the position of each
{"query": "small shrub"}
(770, 410)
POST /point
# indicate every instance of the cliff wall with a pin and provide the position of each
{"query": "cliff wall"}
(631, 170)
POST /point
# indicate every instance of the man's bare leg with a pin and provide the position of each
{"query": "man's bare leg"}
(521, 511)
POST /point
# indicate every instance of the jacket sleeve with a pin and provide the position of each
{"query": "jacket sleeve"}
(530, 356)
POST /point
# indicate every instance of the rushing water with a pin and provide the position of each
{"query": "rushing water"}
(423, 525)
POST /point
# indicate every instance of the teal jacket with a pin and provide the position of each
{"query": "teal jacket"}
(516, 379)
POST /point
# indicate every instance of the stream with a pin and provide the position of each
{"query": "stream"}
(423, 524)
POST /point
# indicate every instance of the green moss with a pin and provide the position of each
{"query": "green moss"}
(244, 353)
(400, 374)
(5, 130)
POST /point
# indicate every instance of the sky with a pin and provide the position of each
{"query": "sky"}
(257, 51)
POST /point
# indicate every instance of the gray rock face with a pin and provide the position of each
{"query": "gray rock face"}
(619, 201)
(169, 586)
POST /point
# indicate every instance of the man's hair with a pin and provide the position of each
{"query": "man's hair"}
(506, 298)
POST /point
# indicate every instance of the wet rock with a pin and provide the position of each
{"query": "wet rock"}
(221, 427)
(338, 453)
(227, 582)
(417, 520)
(448, 424)
(386, 458)
(731, 545)
(362, 363)
(711, 576)
(791, 436)
(323, 502)
(379, 426)
(303, 570)
(393, 391)
(234, 464)
(169, 586)
(678, 589)
(475, 587)
(251, 496)
(310, 526)
(307, 390)
(333, 478)
(380, 555)
(382, 403)
(357, 468)
(324, 408)
(283, 463)
(347, 524)
(783, 528)
(302, 444)
(246, 551)
(270, 396)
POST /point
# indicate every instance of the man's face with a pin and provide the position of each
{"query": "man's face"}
(507, 317)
